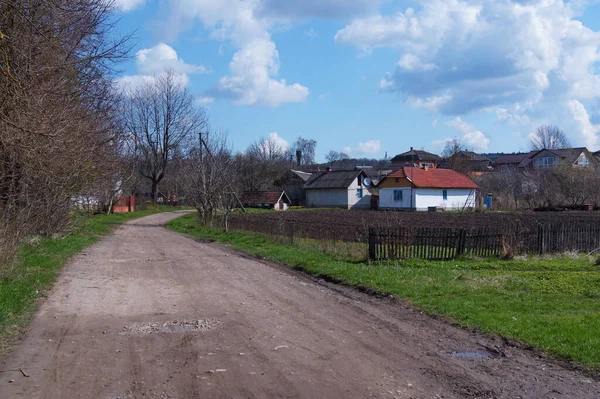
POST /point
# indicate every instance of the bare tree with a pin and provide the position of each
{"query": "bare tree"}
(208, 175)
(305, 150)
(333, 156)
(452, 147)
(161, 117)
(549, 137)
(57, 110)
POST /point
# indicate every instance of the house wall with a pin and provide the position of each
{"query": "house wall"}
(330, 197)
(457, 198)
(552, 162)
(386, 198)
(359, 203)
(340, 197)
(423, 198)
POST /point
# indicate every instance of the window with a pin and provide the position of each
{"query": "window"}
(583, 161)
(359, 192)
(547, 161)
(445, 194)
(398, 195)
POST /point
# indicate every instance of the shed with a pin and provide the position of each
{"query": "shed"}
(339, 189)
(277, 200)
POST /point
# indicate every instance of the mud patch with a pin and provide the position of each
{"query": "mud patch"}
(174, 326)
(473, 355)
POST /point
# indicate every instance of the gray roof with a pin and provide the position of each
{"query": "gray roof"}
(415, 155)
(303, 175)
(332, 179)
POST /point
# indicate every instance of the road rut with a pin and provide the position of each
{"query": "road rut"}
(149, 313)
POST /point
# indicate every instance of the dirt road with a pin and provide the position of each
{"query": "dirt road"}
(148, 313)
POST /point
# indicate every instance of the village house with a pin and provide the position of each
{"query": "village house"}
(277, 200)
(348, 189)
(546, 159)
(416, 158)
(467, 162)
(421, 189)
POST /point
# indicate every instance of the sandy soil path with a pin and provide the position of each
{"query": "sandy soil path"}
(148, 313)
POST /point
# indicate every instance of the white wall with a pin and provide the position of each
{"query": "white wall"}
(423, 198)
(457, 198)
(354, 201)
(346, 198)
(386, 198)
(327, 197)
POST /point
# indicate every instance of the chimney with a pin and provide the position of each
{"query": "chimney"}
(411, 148)
(298, 156)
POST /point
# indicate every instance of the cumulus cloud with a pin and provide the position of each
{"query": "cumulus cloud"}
(516, 57)
(128, 5)
(368, 147)
(279, 141)
(157, 59)
(587, 129)
(472, 137)
(255, 66)
(154, 61)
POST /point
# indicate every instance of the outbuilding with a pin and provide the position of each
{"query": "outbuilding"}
(347, 189)
(421, 189)
(277, 200)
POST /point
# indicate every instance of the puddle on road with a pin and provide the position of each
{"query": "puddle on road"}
(174, 326)
(473, 355)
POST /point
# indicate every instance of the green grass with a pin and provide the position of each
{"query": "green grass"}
(39, 263)
(552, 304)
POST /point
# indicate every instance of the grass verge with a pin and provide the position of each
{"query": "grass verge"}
(552, 304)
(39, 263)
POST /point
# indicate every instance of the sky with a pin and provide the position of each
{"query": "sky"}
(370, 77)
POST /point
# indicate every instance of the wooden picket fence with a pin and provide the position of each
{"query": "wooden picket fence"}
(437, 243)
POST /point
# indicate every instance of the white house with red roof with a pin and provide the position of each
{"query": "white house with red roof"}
(419, 189)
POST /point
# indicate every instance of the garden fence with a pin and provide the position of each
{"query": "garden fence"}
(433, 243)
(448, 243)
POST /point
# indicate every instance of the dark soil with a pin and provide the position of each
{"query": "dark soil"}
(354, 225)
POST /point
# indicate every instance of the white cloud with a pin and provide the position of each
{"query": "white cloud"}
(279, 141)
(434, 123)
(410, 62)
(157, 59)
(311, 32)
(128, 5)
(205, 100)
(324, 96)
(154, 61)
(587, 129)
(472, 137)
(368, 147)
(519, 58)
(254, 68)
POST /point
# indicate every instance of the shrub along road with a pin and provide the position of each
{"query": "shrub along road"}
(150, 313)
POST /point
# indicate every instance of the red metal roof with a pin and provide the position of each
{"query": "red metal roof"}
(263, 197)
(434, 178)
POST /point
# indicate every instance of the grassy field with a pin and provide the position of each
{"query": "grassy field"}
(39, 263)
(552, 304)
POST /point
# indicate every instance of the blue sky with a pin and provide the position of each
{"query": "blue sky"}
(374, 76)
